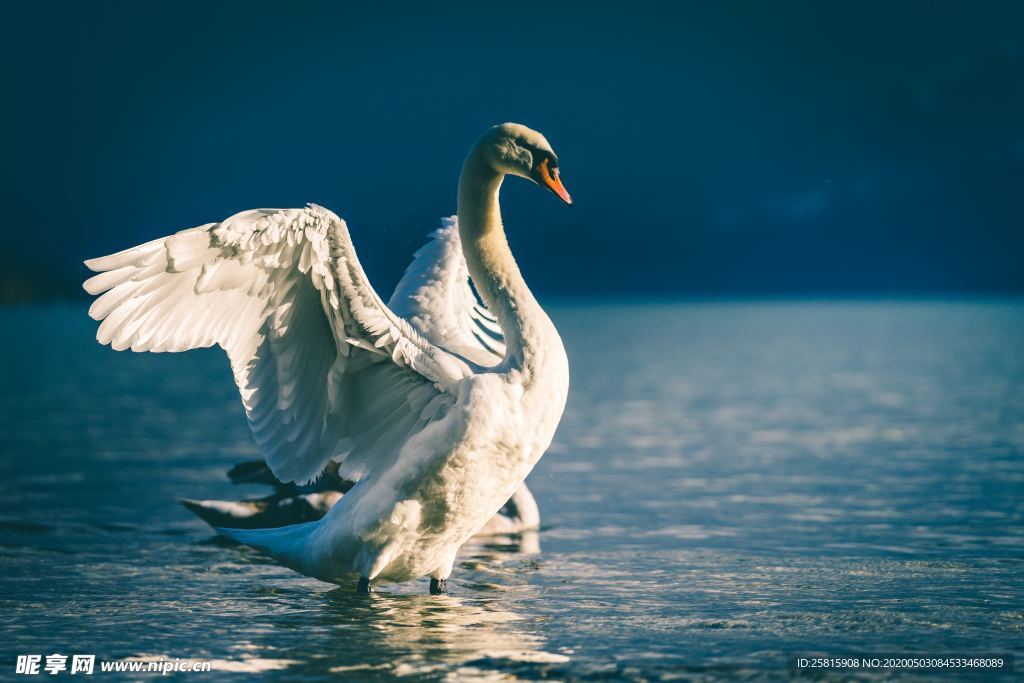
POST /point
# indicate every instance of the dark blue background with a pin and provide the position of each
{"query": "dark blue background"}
(712, 148)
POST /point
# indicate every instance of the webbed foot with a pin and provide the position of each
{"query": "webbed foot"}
(438, 586)
(363, 586)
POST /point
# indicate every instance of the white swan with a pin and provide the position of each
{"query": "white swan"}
(436, 420)
(421, 296)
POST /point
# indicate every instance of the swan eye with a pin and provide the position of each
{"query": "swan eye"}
(546, 174)
(552, 168)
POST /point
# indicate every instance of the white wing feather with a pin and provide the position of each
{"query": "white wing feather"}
(324, 368)
(435, 296)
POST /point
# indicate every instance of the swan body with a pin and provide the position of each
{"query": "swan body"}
(435, 405)
(290, 504)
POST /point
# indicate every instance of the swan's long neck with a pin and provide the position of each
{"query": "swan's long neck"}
(492, 267)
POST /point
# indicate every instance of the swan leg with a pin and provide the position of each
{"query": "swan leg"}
(363, 587)
(438, 586)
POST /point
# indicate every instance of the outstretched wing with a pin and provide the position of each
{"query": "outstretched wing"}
(435, 296)
(325, 369)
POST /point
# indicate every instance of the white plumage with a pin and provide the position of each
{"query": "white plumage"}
(435, 297)
(436, 407)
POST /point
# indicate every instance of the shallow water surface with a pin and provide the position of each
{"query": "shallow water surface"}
(731, 483)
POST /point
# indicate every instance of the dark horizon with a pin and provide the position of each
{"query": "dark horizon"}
(739, 150)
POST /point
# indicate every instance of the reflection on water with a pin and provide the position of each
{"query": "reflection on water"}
(731, 483)
(402, 630)
(448, 634)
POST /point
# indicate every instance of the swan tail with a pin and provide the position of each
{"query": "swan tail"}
(289, 545)
(224, 512)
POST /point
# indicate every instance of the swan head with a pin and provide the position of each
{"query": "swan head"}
(514, 149)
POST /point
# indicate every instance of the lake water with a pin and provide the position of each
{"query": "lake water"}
(732, 483)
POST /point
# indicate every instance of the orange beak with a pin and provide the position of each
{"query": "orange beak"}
(548, 177)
